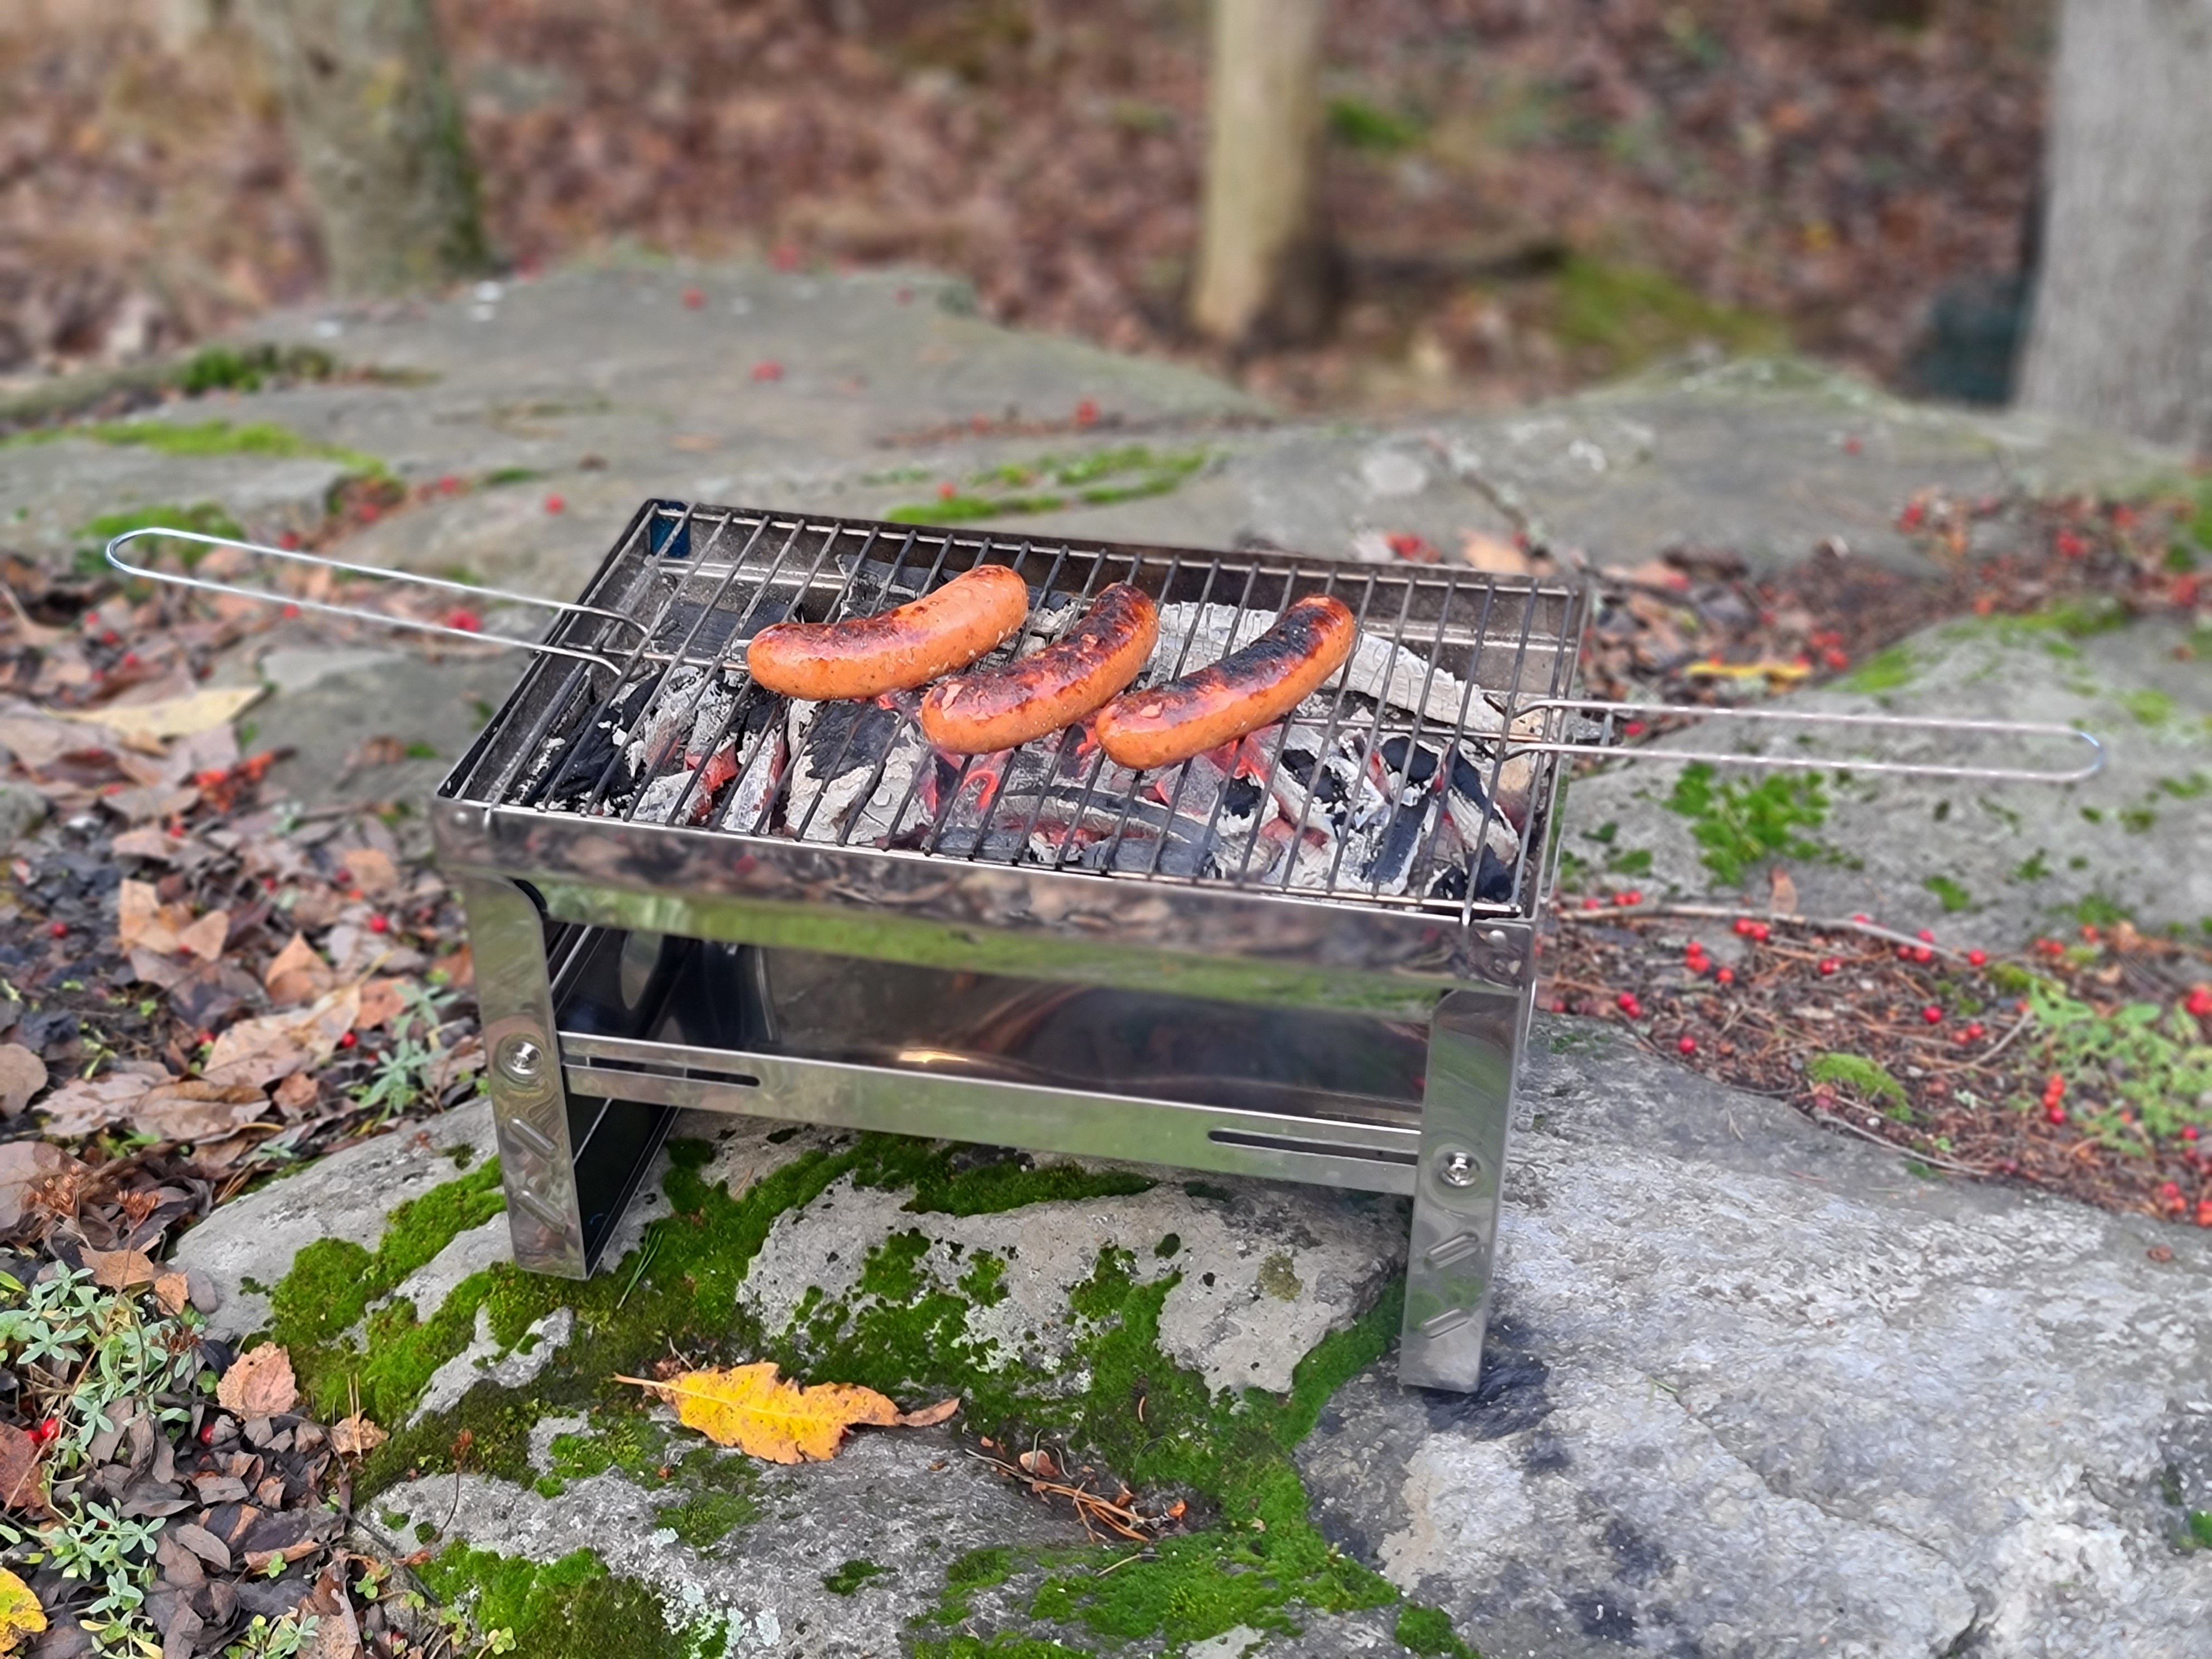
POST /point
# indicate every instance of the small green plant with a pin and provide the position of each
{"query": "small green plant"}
(205, 518)
(2142, 1055)
(406, 1072)
(1954, 896)
(1050, 483)
(848, 1578)
(1741, 825)
(1888, 670)
(1867, 1079)
(1428, 1631)
(277, 1639)
(2200, 1527)
(1358, 124)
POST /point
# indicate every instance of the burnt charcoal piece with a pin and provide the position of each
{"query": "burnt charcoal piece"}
(1425, 759)
(1450, 884)
(1400, 842)
(1494, 878)
(595, 749)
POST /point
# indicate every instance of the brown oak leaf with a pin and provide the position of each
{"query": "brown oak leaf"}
(259, 1384)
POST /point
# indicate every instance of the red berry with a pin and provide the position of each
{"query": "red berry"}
(1836, 659)
(2055, 1112)
(1913, 514)
(290, 541)
(1926, 937)
(1589, 902)
(784, 257)
(1558, 1005)
(2189, 1132)
(1830, 965)
(1760, 933)
(377, 925)
(1725, 975)
(1628, 1005)
(1932, 1014)
(347, 1040)
(2200, 1000)
(369, 513)
(1086, 413)
(290, 611)
(1975, 1032)
(207, 1434)
(1978, 957)
(448, 484)
(342, 878)
(947, 490)
(1861, 916)
(1632, 729)
(769, 370)
(467, 621)
(57, 929)
(1624, 900)
(1852, 446)
(555, 503)
(2204, 1213)
(694, 298)
(1688, 1045)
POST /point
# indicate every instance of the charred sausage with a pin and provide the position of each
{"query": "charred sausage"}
(896, 650)
(1052, 688)
(1242, 692)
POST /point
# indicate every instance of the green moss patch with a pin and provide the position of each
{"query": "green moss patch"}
(1115, 1401)
(571, 1608)
(1888, 670)
(1627, 315)
(203, 438)
(1741, 825)
(848, 1579)
(1425, 1630)
(1050, 483)
(1013, 1183)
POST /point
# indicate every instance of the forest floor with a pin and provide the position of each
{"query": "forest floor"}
(1529, 197)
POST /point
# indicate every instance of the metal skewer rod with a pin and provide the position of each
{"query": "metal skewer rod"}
(353, 613)
(1608, 744)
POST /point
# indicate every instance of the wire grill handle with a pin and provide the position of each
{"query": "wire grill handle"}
(399, 577)
(1612, 716)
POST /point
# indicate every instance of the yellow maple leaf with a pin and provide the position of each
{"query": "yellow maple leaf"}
(750, 1408)
(19, 1613)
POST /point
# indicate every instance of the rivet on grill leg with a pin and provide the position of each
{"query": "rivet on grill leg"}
(1457, 1169)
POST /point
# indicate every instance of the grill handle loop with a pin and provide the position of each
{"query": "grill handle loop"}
(1612, 716)
(404, 578)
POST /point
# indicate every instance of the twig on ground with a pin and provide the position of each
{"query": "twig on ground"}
(1788, 918)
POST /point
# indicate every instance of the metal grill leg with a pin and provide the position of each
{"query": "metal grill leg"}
(530, 1107)
(1466, 1104)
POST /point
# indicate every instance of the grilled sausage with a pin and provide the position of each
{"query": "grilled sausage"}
(896, 650)
(1242, 692)
(1055, 687)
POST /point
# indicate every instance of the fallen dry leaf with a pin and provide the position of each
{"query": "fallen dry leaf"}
(255, 1053)
(1782, 892)
(137, 904)
(173, 717)
(20, 1614)
(23, 1075)
(92, 1104)
(1486, 552)
(121, 1270)
(381, 1001)
(23, 1164)
(22, 1487)
(148, 843)
(750, 1408)
(355, 1435)
(297, 1092)
(1038, 1463)
(929, 1416)
(259, 1384)
(195, 1110)
(296, 972)
(373, 871)
(173, 1291)
(204, 937)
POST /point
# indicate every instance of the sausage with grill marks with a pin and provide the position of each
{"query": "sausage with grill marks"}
(896, 650)
(1247, 689)
(975, 714)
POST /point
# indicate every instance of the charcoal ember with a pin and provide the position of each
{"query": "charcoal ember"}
(1335, 790)
(1142, 851)
(675, 793)
(1480, 823)
(1397, 843)
(894, 802)
(760, 773)
(834, 764)
(1494, 878)
(710, 724)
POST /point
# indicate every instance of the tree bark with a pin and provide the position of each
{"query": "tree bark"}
(1263, 266)
(2122, 335)
(378, 134)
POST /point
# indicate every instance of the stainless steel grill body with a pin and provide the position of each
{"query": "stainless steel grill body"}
(639, 950)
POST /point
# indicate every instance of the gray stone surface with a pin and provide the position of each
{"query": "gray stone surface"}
(2024, 856)
(22, 809)
(1754, 1391)
(346, 1195)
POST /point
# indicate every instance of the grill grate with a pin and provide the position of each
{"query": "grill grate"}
(1446, 661)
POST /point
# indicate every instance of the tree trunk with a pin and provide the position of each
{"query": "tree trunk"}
(2122, 335)
(1263, 269)
(378, 133)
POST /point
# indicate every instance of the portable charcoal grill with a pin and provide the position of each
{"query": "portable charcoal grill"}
(1308, 957)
